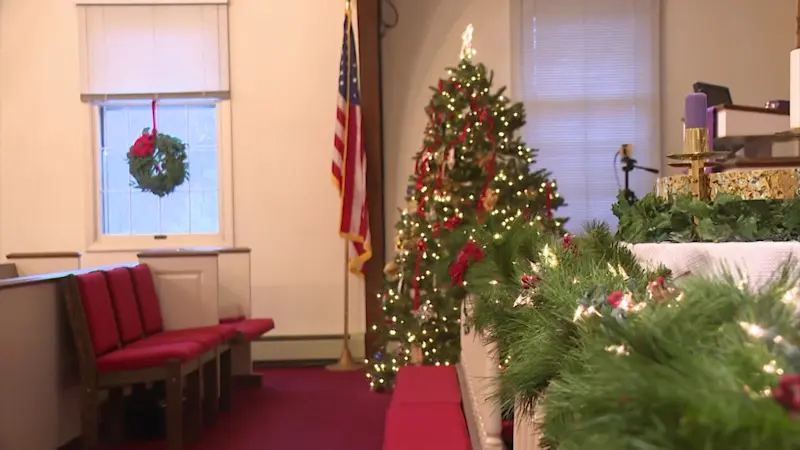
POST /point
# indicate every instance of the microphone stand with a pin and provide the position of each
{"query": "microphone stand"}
(628, 165)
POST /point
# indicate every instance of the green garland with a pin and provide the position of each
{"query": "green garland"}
(162, 169)
(725, 219)
(683, 369)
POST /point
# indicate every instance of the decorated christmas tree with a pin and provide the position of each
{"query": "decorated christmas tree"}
(472, 172)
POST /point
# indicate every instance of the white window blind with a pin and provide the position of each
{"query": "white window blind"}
(167, 50)
(589, 79)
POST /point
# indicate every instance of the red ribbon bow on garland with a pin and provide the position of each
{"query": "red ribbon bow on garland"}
(529, 281)
(615, 298)
(787, 393)
(470, 253)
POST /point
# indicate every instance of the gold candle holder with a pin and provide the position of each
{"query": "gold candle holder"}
(697, 154)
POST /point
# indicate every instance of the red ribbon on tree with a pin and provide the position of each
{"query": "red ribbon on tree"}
(450, 224)
(420, 251)
(469, 254)
(484, 115)
(421, 170)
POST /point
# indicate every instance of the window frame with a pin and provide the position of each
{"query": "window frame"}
(99, 242)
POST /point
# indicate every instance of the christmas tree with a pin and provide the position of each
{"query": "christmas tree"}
(472, 172)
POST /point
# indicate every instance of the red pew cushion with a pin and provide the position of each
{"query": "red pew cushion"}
(147, 357)
(507, 430)
(208, 339)
(253, 328)
(429, 426)
(427, 384)
(149, 307)
(229, 320)
(100, 318)
(123, 299)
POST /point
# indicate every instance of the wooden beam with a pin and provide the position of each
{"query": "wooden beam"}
(369, 19)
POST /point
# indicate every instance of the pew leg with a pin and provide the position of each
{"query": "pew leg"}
(226, 380)
(174, 410)
(210, 391)
(194, 406)
(116, 406)
(89, 418)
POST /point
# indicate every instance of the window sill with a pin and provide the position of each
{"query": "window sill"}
(135, 244)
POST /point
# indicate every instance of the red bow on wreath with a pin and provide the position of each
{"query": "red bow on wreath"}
(145, 145)
(787, 393)
(470, 253)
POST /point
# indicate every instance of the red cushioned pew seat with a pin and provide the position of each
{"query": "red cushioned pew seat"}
(150, 309)
(426, 426)
(427, 384)
(104, 365)
(250, 328)
(147, 357)
(130, 323)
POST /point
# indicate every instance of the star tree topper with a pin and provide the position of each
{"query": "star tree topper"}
(467, 51)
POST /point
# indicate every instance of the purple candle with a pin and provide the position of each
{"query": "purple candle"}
(695, 110)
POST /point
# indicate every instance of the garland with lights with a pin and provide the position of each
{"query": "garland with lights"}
(472, 174)
(632, 358)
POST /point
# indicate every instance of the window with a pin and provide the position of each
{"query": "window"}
(130, 54)
(194, 206)
(589, 78)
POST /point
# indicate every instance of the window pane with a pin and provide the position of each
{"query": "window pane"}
(203, 127)
(114, 123)
(116, 177)
(203, 169)
(194, 206)
(118, 218)
(175, 214)
(145, 213)
(205, 212)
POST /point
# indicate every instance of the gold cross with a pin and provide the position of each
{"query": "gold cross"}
(467, 51)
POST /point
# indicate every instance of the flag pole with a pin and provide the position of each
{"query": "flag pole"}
(346, 361)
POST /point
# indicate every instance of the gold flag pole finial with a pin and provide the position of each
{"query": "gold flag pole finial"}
(467, 52)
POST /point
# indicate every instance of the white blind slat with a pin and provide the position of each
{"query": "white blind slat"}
(153, 49)
(590, 73)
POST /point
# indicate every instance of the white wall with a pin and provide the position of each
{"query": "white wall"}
(284, 70)
(738, 43)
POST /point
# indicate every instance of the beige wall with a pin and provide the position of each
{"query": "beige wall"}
(284, 69)
(739, 43)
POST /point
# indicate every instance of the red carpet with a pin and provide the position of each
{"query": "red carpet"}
(297, 409)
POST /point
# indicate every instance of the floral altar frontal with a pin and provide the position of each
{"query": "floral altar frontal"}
(765, 184)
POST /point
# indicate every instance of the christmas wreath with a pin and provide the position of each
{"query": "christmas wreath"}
(157, 162)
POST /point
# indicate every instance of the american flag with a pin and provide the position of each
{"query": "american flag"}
(349, 167)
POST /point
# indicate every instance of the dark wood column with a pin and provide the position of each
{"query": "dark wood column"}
(369, 18)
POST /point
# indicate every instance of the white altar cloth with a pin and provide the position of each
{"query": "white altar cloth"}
(758, 261)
